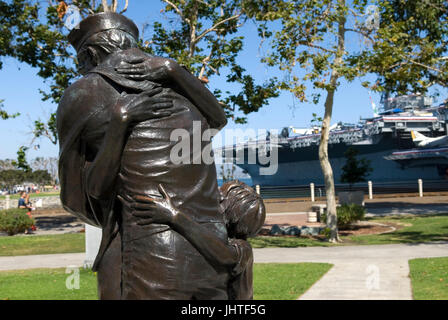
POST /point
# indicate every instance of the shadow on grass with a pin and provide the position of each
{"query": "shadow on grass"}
(412, 229)
(403, 205)
(48, 223)
(413, 237)
(288, 242)
(406, 216)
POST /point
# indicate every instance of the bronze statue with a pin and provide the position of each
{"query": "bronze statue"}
(244, 215)
(115, 126)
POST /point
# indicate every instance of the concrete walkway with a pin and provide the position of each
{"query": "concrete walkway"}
(359, 272)
(42, 261)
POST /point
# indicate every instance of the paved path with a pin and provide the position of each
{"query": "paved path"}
(42, 261)
(359, 272)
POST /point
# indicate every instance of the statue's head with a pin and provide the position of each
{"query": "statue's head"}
(244, 210)
(99, 35)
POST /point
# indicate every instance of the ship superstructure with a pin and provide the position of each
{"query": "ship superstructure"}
(388, 140)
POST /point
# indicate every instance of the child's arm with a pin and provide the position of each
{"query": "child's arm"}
(217, 251)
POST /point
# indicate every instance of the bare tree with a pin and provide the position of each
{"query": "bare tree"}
(49, 164)
(7, 164)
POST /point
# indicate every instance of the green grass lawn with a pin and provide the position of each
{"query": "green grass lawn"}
(286, 242)
(286, 281)
(29, 244)
(32, 195)
(414, 229)
(271, 282)
(429, 278)
(46, 284)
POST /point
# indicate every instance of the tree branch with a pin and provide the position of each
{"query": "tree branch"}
(179, 12)
(105, 5)
(193, 23)
(424, 66)
(356, 14)
(311, 45)
(416, 63)
(125, 7)
(205, 64)
(203, 34)
(361, 33)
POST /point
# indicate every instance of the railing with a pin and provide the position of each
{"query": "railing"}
(377, 188)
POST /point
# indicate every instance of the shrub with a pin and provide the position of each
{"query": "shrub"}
(15, 221)
(325, 232)
(355, 170)
(347, 214)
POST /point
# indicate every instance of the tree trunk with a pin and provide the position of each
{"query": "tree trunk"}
(327, 170)
(324, 159)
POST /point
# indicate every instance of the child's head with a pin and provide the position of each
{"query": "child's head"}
(244, 210)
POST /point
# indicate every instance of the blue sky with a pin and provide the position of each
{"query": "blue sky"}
(20, 90)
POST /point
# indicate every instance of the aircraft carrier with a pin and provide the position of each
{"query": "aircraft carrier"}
(405, 141)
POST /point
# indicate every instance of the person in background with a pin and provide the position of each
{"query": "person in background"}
(24, 203)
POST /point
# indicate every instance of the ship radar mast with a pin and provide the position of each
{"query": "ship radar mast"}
(405, 103)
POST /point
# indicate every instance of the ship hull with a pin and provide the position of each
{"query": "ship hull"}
(388, 140)
(300, 166)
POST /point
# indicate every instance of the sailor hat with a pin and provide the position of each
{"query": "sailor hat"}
(100, 22)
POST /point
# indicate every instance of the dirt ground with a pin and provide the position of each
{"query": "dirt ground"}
(361, 228)
(292, 212)
(364, 227)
